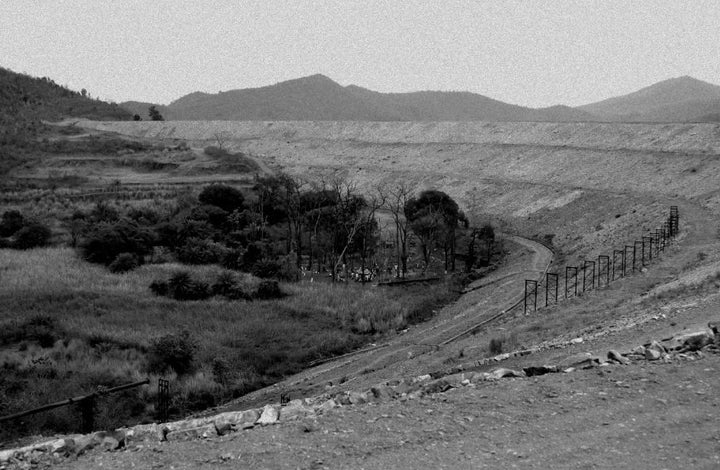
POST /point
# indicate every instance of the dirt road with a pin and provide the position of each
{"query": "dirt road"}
(421, 346)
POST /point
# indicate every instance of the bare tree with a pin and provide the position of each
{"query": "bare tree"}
(221, 139)
(395, 199)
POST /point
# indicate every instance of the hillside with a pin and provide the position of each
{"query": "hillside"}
(23, 96)
(26, 101)
(318, 98)
(680, 99)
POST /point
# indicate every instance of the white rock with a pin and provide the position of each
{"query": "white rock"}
(270, 415)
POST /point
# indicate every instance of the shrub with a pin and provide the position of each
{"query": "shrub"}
(32, 236)
(123, 263)
(201, 251)
(159, 287)
(182, 286)
(172, 351)
(223, 196)
(266, 269)
(268, 290)
(496, 346)
(228, 286)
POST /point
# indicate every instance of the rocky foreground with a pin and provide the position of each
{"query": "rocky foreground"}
(604, 411)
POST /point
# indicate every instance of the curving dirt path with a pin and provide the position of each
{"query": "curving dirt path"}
(422, 345)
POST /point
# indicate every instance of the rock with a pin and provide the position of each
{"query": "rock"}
(6, 455)
(436, 386)
(270, 415)
(617, 357)
(383, 392)
(502, 373)
(540, 370)
(235, 420)
(415, 395)
(294, 410)
(422, 378)
(652, 354)
(654, 345)
(342, 399)
(186, 434)
(576, 340)
(357, 398)
(691, 341)
(582, 361)
(327, 405)
(639, 351)
(60, 446)
(143, 432)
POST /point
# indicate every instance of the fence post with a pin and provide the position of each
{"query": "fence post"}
(533, 286)
(163, 399)
(606, 259)
(87, 413)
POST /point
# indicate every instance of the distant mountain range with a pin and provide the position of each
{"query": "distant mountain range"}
(318, 98)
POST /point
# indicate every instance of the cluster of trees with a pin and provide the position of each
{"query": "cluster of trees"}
(276, 229)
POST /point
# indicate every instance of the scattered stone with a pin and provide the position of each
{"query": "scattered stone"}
(422, 378)
(576, 340)
(617, 357)
(270, 415)
(540, 370)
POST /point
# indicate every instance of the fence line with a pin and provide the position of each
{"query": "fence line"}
(600, 273)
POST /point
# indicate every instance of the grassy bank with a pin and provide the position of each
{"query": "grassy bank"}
(68, 327)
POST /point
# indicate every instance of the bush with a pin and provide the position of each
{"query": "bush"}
(268, 290)
(123, 263)
(223, 196)
(12, 221)
(201, 251)
(182, 286)
(109, 239)
(172, 351)
(267, 269)
(159, 287)
(32, 236)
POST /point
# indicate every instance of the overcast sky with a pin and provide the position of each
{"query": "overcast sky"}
(533, 53)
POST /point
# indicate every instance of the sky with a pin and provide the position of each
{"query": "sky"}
(531, 53)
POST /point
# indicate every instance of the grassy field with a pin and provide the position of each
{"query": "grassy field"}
(67, 327)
